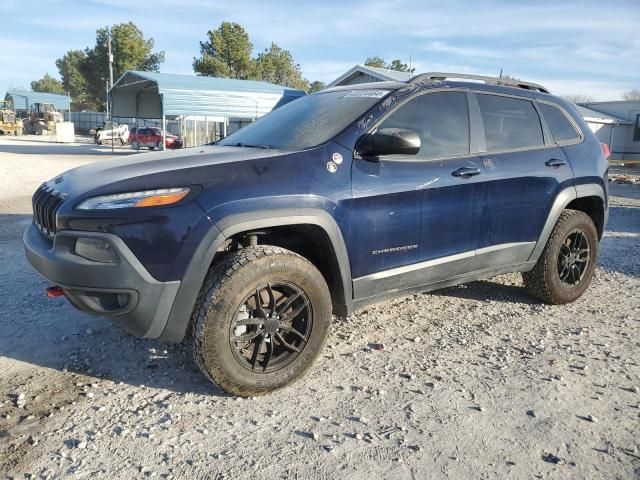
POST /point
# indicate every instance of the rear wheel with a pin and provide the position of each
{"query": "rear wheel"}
(261, 320)
(565, 267)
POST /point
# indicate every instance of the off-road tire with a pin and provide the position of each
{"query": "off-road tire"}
(543, 282)
(227, 283)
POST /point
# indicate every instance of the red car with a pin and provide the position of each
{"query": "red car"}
(151, 137)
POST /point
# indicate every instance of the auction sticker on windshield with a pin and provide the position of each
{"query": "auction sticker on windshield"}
(367, 93)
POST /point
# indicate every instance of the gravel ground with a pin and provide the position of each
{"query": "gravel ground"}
(476, 381)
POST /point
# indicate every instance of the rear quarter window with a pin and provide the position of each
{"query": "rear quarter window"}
(509, 123)
(561, 127)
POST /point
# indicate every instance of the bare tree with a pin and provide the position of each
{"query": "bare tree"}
(579, 98)
(633, 94)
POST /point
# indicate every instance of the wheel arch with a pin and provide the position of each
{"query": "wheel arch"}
(594, 207)
(314, 225)
(589, 198)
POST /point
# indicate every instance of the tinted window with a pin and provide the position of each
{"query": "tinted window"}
(509, 123)
(561, 128)
(440, 119)
(308, 121)
(636, 133)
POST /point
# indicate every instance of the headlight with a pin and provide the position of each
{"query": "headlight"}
(148, 198)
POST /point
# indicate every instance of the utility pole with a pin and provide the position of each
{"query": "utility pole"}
(110, 58)
(110, 84)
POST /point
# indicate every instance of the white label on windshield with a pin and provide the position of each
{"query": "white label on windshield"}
(367, 93)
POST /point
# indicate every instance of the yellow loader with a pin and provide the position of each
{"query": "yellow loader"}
(9, 124)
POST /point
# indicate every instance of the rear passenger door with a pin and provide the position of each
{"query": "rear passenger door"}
(523, 170)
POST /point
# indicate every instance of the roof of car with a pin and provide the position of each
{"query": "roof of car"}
(433, 84)
(439, 79)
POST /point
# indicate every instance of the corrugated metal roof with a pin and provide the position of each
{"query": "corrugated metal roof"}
(173, 81)
(24, 100)
(383, 74)
(391, 74)
(194, 95)
(594, 116)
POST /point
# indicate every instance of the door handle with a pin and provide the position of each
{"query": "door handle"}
(466, 172)
(555, 163)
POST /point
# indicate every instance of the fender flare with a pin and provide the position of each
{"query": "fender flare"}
(225, 228)
(564, 198)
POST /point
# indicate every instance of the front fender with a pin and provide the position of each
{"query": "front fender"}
(241, 221)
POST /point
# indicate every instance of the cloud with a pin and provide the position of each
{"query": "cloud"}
(581, 44)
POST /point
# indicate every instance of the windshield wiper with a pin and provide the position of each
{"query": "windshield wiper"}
(250, 145)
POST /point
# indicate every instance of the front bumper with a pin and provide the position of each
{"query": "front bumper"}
(123, 291)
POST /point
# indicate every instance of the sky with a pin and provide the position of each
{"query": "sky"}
(571, 47)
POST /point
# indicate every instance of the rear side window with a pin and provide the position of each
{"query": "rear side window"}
(441, 119)
(509, 123)
(561, 127)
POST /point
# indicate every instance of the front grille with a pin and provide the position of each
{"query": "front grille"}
(46, 202)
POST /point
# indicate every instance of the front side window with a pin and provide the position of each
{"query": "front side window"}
(636, 133)
(441, 119)
(509, 123)
(561, 128)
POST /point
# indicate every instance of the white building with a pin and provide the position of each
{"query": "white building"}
(362, 74)
(616, 123)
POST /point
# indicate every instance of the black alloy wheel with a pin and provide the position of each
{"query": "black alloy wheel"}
(271, 327)
(574, 258)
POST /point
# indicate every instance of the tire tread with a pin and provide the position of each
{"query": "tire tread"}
(536, 281)
(219, 274)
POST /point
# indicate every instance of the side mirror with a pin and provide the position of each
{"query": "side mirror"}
(389, 141)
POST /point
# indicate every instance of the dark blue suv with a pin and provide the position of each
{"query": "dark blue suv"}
(339, 199)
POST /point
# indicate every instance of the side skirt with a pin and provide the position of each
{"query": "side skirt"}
(450, 282)
(442, 269)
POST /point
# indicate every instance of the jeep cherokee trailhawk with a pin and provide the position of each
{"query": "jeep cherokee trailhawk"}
(338, 199)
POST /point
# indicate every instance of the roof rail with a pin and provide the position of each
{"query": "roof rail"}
(491, 80)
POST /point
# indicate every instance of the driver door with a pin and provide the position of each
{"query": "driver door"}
(415, 217)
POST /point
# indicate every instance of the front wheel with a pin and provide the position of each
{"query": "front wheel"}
(565, 267)
(261, 320)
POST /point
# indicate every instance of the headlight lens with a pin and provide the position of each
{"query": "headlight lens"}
(147, 198)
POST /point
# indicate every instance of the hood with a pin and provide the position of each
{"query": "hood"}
(134, 171)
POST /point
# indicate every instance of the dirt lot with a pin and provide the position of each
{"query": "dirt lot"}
(477, 381)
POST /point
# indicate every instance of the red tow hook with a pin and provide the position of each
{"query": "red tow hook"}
(54, 291)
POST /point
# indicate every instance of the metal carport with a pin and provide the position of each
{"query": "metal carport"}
(165, 95)
(23, 100)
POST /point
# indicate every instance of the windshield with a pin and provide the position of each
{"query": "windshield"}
(308, 121)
